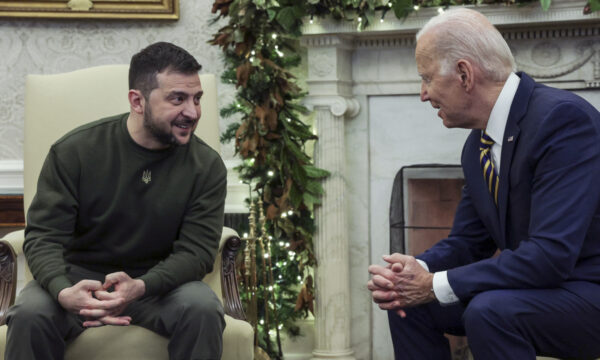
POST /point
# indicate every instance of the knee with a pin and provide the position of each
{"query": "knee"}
(30, 313)
(486, 308)
(198, 301)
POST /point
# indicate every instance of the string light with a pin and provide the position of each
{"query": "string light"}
(416, 7)
(283, 215)
(266, 256)
(270, 173)
(281, 243)
(311, 19)
(290, 213)
(274, 36)
(440, 11)
(390, 4)
(359, 19)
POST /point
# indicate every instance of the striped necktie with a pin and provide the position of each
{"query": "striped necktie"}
(489, 171)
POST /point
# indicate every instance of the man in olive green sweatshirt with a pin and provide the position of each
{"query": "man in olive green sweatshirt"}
(126, 221)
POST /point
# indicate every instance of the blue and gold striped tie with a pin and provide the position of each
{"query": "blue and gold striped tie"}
(489, 171)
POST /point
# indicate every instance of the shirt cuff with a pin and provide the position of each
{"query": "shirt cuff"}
(442, 289)
(423, 264)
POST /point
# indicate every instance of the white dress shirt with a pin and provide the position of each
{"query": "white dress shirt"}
(495, 129)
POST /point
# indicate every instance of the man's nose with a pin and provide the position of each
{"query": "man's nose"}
(424, 94)
(191, 110)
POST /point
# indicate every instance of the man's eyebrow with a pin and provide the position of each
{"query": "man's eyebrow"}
(185, 94)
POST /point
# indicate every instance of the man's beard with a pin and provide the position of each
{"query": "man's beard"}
(162, 136)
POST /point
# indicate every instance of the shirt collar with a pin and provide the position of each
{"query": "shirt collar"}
(499, 115)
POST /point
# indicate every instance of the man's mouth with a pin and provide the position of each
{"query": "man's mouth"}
(184, 124)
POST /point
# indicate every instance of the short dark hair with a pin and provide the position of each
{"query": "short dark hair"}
(156, 58)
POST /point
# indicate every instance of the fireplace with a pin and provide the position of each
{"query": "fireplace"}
(422, 206)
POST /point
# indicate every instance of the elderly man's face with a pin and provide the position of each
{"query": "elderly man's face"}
(173, 108)
(444, 92)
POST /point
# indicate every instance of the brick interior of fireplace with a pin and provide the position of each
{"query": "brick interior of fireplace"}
(430, 211)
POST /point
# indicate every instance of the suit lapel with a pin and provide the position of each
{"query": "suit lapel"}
(518, 109)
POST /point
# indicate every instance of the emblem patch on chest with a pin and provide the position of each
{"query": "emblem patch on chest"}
(147, 176)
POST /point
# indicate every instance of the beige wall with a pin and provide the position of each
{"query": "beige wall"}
(51, 46)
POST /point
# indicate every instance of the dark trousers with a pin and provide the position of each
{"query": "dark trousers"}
(190, 315)
(502, 324)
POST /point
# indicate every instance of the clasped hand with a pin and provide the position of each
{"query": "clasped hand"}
(402, 283)
(92, 300)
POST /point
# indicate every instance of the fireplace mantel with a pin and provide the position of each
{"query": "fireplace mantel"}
(503, 16)
(363, 87)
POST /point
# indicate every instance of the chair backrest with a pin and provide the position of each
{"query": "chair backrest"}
(56, 104)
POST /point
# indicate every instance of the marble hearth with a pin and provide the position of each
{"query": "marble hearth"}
(364, 89)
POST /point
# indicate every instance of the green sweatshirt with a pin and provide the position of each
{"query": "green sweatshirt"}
(107, 204)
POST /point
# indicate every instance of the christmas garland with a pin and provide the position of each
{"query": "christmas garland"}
(260, 45)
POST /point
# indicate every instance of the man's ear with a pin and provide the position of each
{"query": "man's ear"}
(136, 101)
(466, 74)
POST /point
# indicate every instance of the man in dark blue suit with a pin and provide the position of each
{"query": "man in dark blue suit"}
(532, 190)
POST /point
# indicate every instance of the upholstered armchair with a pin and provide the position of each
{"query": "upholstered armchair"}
(55, 104)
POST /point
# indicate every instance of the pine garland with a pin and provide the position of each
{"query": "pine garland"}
(259, 45)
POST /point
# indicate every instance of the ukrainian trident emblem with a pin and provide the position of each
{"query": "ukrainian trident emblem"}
(147, 176)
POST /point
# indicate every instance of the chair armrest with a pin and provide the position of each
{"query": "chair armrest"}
(232, 303)
(8, 278)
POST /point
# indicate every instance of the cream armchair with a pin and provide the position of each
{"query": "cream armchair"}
(55, 104)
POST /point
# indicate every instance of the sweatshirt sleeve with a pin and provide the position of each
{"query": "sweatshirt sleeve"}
(195, 248)
(50, 223)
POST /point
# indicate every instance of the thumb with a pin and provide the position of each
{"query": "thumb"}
(397, 267)
(90, 284)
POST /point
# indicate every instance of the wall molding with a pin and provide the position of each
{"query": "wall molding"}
(11, 177)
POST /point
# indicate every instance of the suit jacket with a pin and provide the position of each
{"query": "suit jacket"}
(547, 222)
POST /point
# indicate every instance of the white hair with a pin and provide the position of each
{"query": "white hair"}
(467, 34)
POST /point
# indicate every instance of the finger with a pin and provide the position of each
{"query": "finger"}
(384, 296)
(376, 269)
(93, 313)
(104, 304)
(92, 323)
(391, 305)
(382, 282)
(105, 295)
(380, 270)
(371, 286)
(116, 320)
(115, 278)
(401, 313)
(396, 257)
